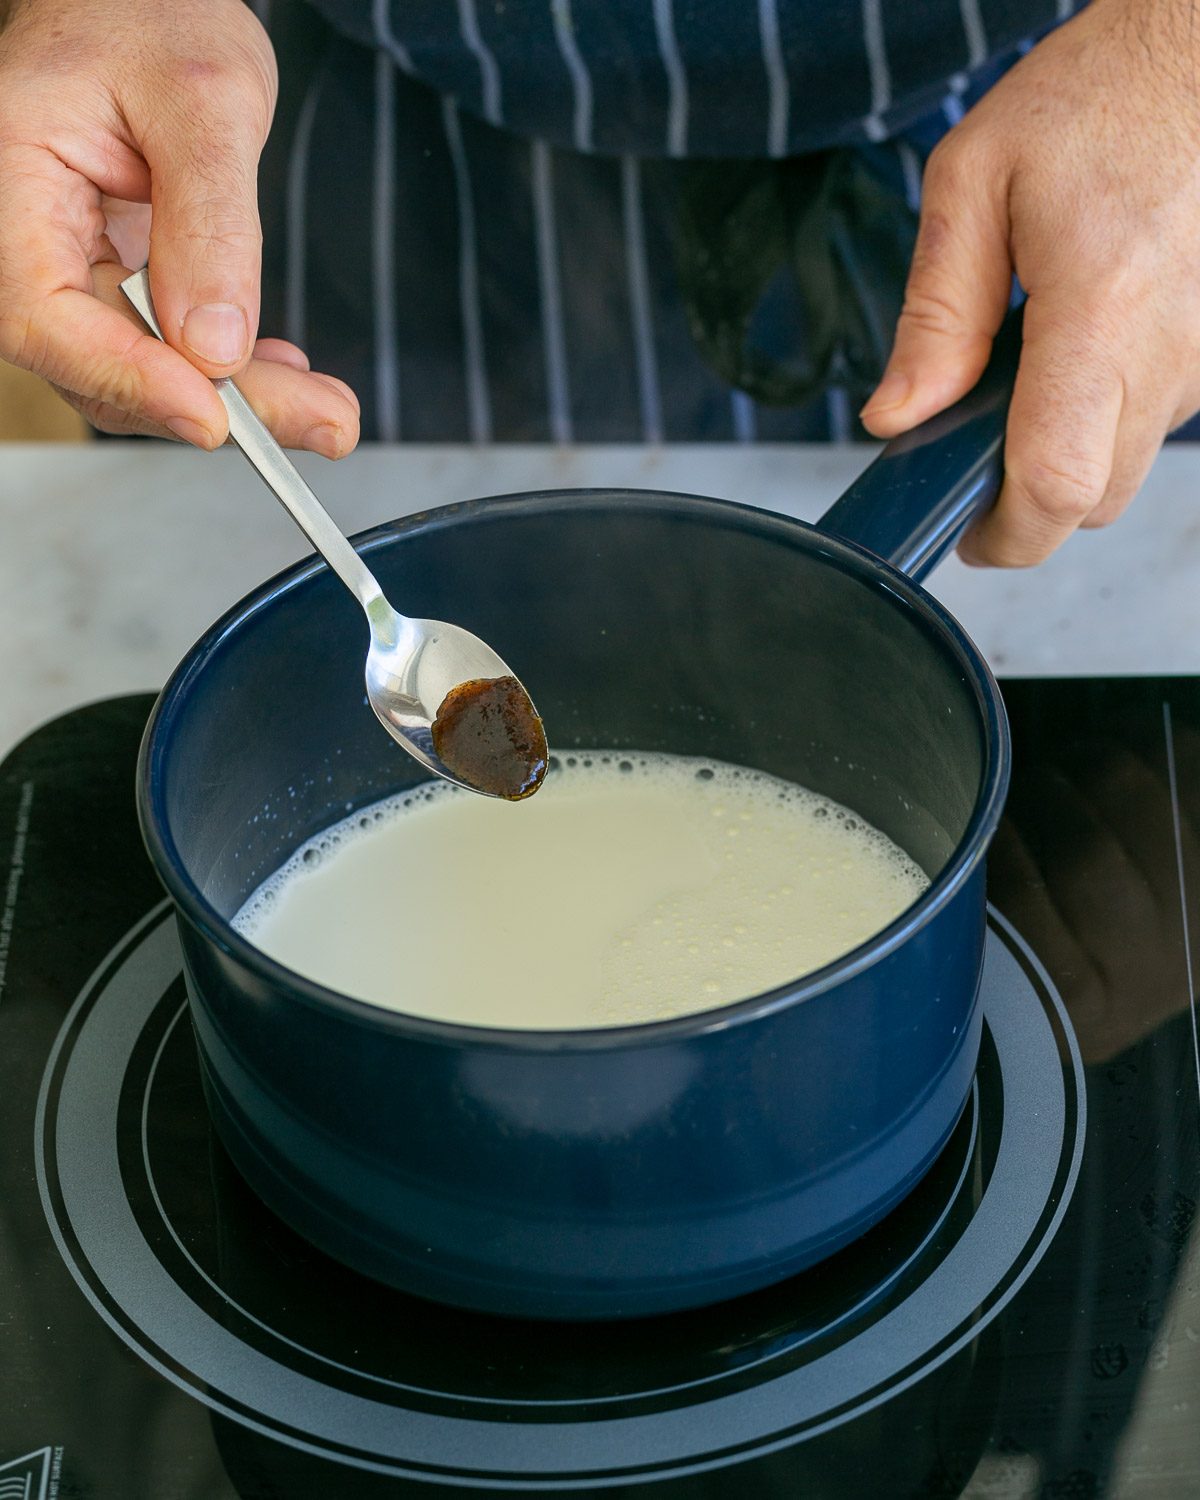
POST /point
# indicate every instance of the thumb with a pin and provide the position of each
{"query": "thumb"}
(205, 237)
(957, 293)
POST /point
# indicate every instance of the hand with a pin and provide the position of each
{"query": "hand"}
(1078, 171)
(129, 126)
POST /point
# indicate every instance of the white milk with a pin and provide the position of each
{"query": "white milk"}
(630, 888)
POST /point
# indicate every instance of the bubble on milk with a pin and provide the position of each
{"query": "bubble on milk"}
(316, 852)
(794, 880)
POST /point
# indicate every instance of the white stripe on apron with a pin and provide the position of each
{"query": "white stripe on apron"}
(745, 424)
(881, 81)
(911, 168)
(952, 108)
(554, 342)
(677, 89)
(479, 415)
(779, 97)
(639, 301)
(977, 46)
(387, 377)
(295, 315)
(489, 73)
(837, 405)
(387, 39)
(581, 82)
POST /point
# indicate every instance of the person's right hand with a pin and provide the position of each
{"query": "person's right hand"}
(108, 105)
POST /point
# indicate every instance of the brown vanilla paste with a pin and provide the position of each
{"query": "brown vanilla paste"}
(488, 734)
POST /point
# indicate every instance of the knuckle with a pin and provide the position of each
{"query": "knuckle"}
(928, 305)
(1084, 333)
(220, 220)
(953, 163)
(240, 89)
(1122, 488)
(1117, 291)
(104, 416)
(120, 385)
(1061, 494)
(198, 78)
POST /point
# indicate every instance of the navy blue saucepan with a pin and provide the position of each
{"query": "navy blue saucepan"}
(609, 1173)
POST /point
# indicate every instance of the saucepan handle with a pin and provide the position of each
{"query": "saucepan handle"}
(911, 505)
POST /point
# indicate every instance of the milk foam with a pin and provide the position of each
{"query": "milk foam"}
(631, 888)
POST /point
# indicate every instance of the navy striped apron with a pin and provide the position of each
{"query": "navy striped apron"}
(609, 220)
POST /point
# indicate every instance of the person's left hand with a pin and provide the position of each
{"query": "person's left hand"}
(1080, 172)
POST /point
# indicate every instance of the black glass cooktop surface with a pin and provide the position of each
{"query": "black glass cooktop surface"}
(1025, 1324)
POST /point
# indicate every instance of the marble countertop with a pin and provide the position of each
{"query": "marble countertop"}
(115, 556)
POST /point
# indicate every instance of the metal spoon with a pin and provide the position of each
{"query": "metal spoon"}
(413, 666)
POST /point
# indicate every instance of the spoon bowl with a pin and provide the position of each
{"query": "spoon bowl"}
(414, 667)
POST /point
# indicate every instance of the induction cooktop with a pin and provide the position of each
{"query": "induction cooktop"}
(1025, 1324)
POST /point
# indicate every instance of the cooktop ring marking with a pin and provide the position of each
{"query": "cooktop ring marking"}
(873, 1295)
(1176, 818)
(122, 1278)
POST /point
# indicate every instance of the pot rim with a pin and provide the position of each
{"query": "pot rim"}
(940, 625)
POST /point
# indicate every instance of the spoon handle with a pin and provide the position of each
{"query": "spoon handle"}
(277, 470)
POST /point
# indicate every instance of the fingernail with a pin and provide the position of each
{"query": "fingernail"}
(216, 332)
(189, 431)
(323, 438)
(892, 390)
